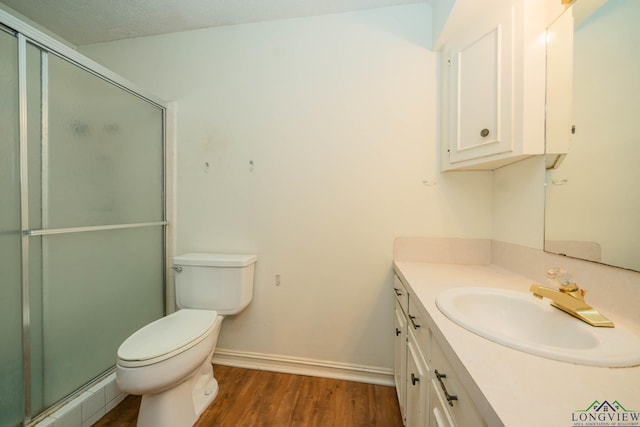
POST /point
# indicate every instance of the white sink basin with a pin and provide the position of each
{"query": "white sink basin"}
(518, 320)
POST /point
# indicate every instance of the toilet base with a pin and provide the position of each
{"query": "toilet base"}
(174, 394)
(182, 405)
(204, 388)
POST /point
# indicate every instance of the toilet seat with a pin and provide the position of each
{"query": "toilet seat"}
(166, 337)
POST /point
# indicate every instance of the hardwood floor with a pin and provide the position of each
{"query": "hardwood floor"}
(250, 397)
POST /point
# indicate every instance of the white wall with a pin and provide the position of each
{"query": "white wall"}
(338, 115)
(518, 203)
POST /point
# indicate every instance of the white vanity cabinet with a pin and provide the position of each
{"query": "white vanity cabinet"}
(418, 370)
(439, 415)
(400, 357)
(418, 375)
(411, 369)
(400, 346)
(448, 393)
(421, 393)
(493, 86)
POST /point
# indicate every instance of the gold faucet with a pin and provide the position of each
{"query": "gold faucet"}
(570, 299)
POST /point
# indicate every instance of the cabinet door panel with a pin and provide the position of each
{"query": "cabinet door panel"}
(400, 357)
(439, 416)
(462, 410)
(401, 293)
(478, 87)
(480, 71)
(417, 386)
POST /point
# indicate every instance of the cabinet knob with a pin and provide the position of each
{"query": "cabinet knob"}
(398, 331)
(484, 132)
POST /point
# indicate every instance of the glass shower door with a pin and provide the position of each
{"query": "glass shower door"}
(96, 230)
(82, 220)
(11, 384)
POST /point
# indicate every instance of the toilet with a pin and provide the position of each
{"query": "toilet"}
(168, 362)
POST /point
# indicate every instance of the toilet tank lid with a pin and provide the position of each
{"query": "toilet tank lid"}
(215, 260)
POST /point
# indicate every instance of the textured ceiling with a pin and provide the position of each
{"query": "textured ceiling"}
(93, 21)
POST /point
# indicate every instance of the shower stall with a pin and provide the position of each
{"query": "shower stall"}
(83, 239)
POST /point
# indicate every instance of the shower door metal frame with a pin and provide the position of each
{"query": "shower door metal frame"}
(26, 34)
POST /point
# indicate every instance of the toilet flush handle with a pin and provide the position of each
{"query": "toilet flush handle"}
(177, 268)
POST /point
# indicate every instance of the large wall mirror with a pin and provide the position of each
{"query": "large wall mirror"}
(593, 115)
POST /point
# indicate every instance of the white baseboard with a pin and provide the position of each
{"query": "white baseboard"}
(303, 366)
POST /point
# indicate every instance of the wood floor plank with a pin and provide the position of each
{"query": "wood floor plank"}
(286, 401)
(254, 398)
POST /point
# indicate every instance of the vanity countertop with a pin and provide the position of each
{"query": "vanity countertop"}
(510, 387)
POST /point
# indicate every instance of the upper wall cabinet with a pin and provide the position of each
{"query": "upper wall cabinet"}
(559, 89)
(493, 86)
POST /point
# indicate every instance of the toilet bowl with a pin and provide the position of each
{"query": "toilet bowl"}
(168, 362)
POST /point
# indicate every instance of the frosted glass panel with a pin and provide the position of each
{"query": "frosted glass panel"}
(34, 134)
(35, 328)
(98, 288)
(105, 157)
(94, 157)
(10, 271)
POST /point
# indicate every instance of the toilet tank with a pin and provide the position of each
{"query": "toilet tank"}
(220, 282)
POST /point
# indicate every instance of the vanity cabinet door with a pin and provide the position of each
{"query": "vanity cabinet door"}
(417, 403)
(439, 415)
(401, 293)
(417, 323)
(458, 404)
(400, 357)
